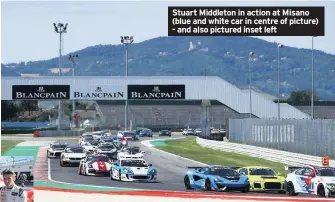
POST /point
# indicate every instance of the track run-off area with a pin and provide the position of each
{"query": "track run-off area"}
(171, 170)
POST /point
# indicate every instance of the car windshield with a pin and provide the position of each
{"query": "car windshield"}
(223, 172)
(126, 134)
(74, 150)
(108, 140)
(107, 147)
(94, 143)
(165, 131)
(98, 158)
(326, 172)
(58, 146)
(88, 138)
(112, 156)
(133, 150)
(134, 163)
(261, 171)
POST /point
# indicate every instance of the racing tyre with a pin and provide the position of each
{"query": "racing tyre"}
(187, 182)
(321, 191)
(84, 171)
(80, 171)
(246, 189)
(48, 155)
(290, 189)
(120, 175)
(61, 163)
(208, 185)
(111, 174)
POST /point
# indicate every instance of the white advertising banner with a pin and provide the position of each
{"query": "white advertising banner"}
(98, 92)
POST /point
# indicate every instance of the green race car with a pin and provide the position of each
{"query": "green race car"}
(263, 179)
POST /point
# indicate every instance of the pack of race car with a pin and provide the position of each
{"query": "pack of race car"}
(105, 158)
(315, 180)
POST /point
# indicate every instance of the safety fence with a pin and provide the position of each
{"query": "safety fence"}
(288, 158)
(312, 137)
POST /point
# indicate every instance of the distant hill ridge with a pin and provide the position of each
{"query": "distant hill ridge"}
(226, 57)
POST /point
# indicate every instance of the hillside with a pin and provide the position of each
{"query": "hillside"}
(226, 57)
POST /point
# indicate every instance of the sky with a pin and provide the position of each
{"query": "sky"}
(27, 32)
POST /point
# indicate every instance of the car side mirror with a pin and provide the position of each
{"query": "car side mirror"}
(143, 152)
(150, 165)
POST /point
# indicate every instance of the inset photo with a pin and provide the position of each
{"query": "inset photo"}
(17, 178)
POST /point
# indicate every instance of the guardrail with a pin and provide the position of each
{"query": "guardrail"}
(58, 133)
(288, 158)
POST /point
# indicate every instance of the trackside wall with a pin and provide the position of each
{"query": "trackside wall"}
(312, 137)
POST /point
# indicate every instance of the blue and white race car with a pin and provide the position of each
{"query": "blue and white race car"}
(218, 178)
(133, 170)
(316, 180)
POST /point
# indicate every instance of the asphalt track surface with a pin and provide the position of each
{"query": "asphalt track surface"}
(171, 171)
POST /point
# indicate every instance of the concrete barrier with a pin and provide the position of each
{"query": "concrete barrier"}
(58, 133)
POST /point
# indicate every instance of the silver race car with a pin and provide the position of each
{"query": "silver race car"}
(72, 155)
(56, 149)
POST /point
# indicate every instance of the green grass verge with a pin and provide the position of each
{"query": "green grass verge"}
(6, 145)
(188, 148)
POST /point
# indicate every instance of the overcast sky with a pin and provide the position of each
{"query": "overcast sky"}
(28, 33)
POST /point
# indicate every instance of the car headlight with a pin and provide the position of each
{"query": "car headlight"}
(217, 180)
(66, 159)
(330, 184)
(247, 180)
(90, 165)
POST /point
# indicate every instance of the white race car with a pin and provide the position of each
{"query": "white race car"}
(310, 180)
(95, 164)
(84, 135)
(89, 148)
(131, 152)
(105, 148)
(72, 155)
(133, 170)
(87, 138)
(56, 149)
(98, 134)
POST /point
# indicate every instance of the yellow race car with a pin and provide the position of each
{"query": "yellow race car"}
(263, 179)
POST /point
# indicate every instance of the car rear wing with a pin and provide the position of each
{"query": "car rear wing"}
(291, 169)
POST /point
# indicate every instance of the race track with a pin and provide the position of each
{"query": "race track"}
(171, 171)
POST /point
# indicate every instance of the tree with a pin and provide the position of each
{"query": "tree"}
(9, 110)
(29, 105)
(303, 96)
